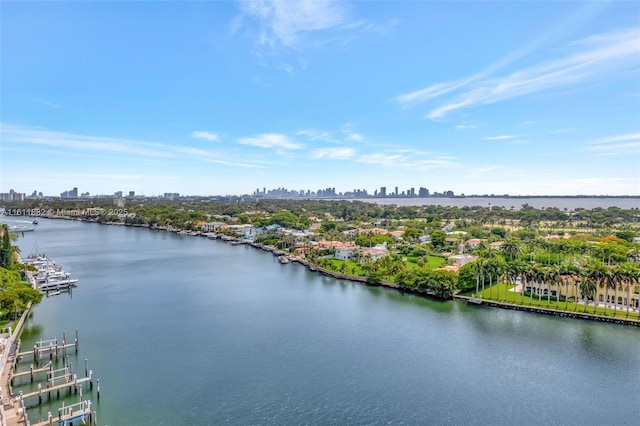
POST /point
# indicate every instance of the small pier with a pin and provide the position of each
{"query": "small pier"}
(80, 412)
(50, 347)
(56, 384)
(59, 379)
(48, 367)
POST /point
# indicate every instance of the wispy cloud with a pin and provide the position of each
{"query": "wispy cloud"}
(500, 137)
(350, 134)
(36, 136)
(287, 22)
(585, 61)
(466, 126)
(616, 145)
(270, 140)
(409, 162)
(333, 153)
(315, 135)
(212, 137)
(48, 104)
(217, 158)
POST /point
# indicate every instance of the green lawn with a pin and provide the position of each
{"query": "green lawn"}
(433, 262)
(499, 293)
(353, 268)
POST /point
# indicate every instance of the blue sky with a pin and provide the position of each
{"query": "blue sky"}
(539, 98)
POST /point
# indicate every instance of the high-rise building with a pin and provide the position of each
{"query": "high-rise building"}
(383, 191)
(72, 193)
(132, 194)
(12, 196)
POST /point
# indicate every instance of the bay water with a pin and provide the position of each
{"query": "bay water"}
(182, 330)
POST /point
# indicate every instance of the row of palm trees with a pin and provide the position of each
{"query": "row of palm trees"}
(584, 275)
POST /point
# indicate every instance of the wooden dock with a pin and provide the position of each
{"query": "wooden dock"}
(51, 347)
(80, 411)
(67, 384)
(57, 380)
(48, 367)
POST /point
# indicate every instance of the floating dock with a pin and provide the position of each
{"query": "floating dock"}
(57, 380)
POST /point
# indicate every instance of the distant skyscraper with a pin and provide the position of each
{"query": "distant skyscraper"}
(132, 194)
(383, 191)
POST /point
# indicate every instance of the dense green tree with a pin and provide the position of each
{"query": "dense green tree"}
(437, 238)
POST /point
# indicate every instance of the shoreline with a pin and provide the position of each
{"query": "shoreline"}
(362, 280)
(16, 412)
(547, 311)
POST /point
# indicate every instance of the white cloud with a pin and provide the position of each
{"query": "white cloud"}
(409, 162)
(500, 137)
(217, 158)
(350, 134)
(287, 22)
(616, 145)
(270, 140)
(315, 135)
(333, 153)
(355, 137)
(49, 104)
(466, 126)
(586, 61)
(213, 137)
(36, 136)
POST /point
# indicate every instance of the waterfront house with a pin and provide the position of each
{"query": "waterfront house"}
(376, 252)
(473, 243)
(345, 251)
(627, 293)
(213, 226)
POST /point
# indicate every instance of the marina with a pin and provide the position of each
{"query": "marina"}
(59, 378)
(49, 276)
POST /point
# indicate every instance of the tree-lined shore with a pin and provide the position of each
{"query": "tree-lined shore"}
(580, 260)
(15, 292)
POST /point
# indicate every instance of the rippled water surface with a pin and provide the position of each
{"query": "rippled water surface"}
(187, 331)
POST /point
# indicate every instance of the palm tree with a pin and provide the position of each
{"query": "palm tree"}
(529, 278)
(512, 248)
(599, 274)
(490, 267)
(588, 287)
(553, 278)
(500, 269)
(629, 274)
(615, 279)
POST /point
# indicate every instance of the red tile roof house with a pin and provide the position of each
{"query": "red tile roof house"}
(496, 245)
(473, 243)
(345, 251)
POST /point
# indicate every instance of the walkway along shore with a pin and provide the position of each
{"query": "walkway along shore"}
(539, 310)
(362, 280)
(13, 411)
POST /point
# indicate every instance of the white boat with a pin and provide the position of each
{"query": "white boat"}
(20, 228)
(57, 285)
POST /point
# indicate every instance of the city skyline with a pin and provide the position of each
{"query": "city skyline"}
(226, 97)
